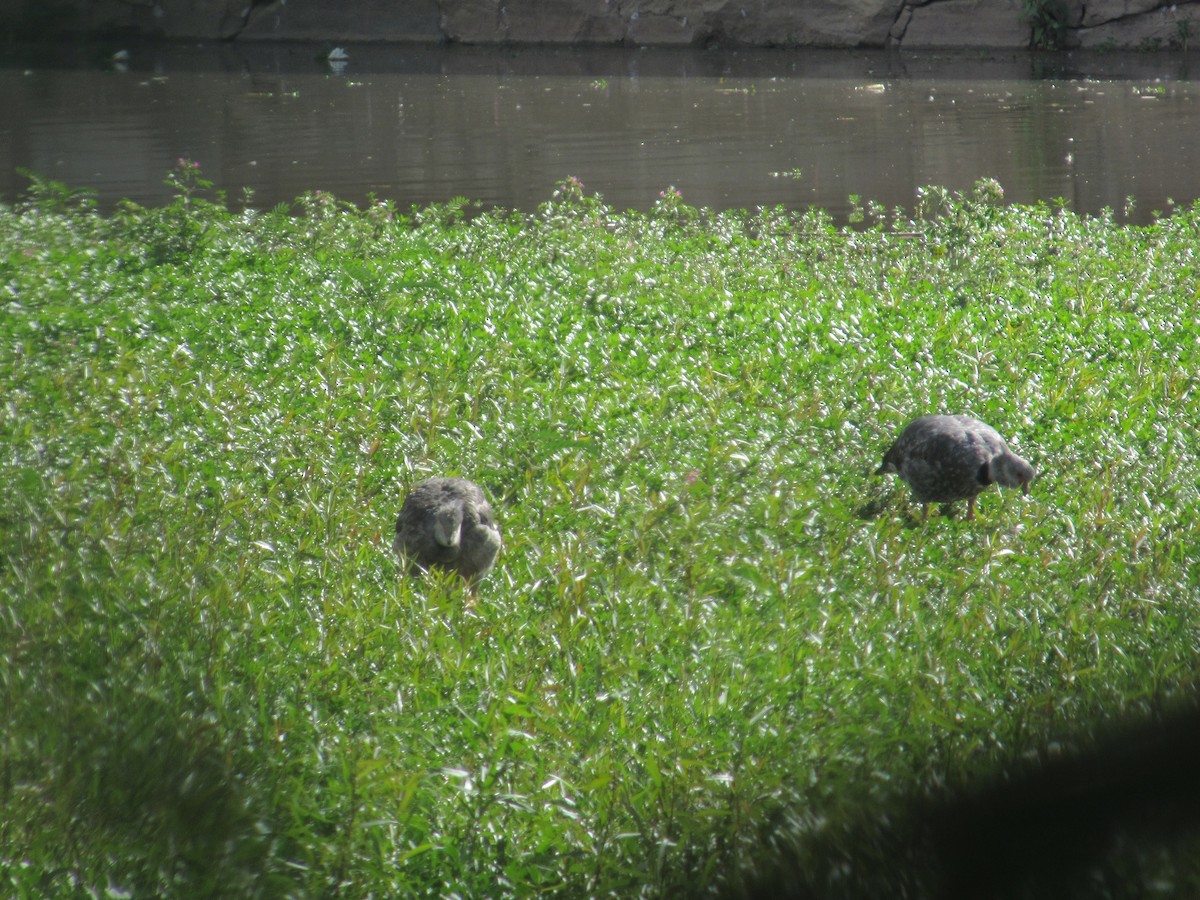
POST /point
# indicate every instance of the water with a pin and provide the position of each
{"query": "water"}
(418, 124)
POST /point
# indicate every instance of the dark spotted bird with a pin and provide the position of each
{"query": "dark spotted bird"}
(447, 523)
(948, 458)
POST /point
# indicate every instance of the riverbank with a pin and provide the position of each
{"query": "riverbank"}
(942, 24)
(711, 631)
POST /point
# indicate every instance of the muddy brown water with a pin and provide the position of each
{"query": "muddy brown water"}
(728, 129)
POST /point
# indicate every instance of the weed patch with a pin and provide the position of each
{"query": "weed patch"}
(709, 626)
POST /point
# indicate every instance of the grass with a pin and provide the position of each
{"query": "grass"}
(711, 632)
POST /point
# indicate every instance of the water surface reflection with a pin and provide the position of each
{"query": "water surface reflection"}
(419, 124)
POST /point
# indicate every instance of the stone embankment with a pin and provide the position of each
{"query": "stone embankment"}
(910, 24)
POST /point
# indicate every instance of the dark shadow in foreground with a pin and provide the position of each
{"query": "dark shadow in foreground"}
(1114, 816)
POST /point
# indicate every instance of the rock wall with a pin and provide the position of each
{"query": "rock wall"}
(995, 24)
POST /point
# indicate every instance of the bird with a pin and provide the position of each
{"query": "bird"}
(948, 458)
(447, 524)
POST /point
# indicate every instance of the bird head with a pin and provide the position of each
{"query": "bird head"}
(480, 539)
(1012, 471)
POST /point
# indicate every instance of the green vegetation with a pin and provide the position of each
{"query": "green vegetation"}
(1183, 34)
(710, 626)
(1047, 23)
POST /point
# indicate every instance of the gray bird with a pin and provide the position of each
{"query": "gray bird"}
(948, 458)
(447, 523)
